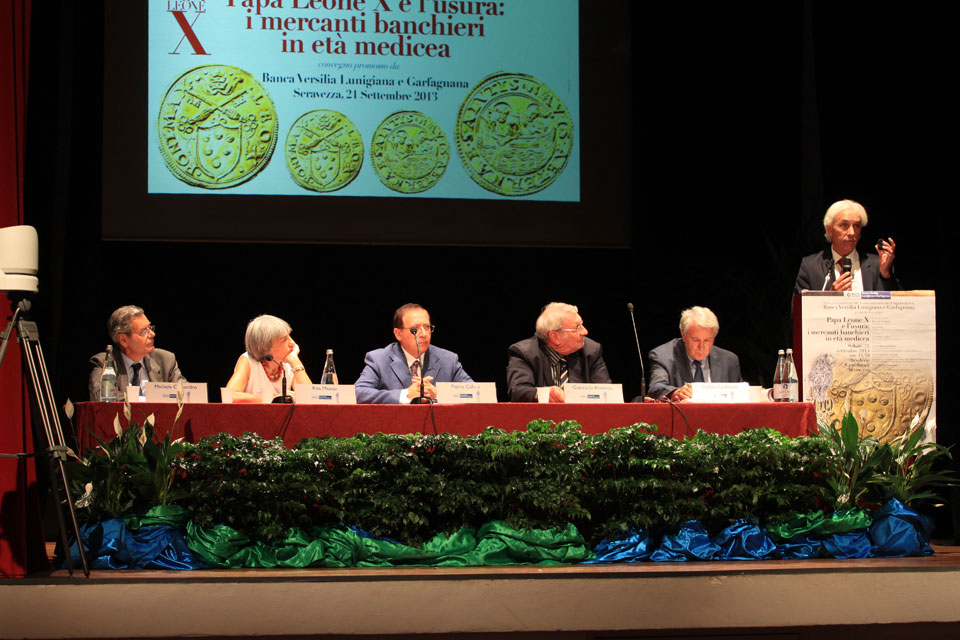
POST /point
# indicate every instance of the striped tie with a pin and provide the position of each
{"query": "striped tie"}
(562, 372)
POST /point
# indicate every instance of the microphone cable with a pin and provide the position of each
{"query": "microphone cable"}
(680, 411)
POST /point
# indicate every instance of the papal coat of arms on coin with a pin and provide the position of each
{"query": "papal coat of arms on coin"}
(217, 127)
(324, 150)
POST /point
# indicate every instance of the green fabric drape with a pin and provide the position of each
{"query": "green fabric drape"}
(493, 544)
(172, 515)
(818, 523)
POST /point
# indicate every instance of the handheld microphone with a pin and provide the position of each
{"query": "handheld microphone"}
(643, 373)
(847, 265)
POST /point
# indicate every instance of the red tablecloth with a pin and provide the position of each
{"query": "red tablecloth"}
(295, 422)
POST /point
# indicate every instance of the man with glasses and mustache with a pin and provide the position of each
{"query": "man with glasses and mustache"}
(392, 375)
(135, 358)
(560, 352)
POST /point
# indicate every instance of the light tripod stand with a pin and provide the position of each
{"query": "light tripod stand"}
(46, 409)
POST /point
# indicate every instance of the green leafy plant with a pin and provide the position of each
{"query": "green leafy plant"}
(909, 467)
(411, 486)
(130, 473)
(254, 485)
(852, 463)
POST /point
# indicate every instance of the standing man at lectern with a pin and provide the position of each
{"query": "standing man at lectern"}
(560, 352)
(393, 374)
(841, 267)
(135, 358)
(691, 358)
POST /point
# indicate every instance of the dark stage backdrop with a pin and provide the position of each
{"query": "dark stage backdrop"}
(747, 121)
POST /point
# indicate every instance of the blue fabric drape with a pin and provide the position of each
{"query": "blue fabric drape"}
(112, 545)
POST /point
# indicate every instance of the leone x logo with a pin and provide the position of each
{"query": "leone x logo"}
(180, 9)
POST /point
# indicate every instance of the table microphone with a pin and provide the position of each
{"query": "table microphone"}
(421, 399)
(282, 398)
(643, 373)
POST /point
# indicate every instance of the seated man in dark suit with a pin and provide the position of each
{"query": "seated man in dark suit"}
(825, 271)
(392, 375)
(560, 352)
(691, 358)
(135, 358)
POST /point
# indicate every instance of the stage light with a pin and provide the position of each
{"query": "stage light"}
(18, 259)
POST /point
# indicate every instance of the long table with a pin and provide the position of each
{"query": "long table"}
(296, 422)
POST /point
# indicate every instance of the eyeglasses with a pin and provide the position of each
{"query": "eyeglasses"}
(152, 328)
(576, 329)
(426, 328)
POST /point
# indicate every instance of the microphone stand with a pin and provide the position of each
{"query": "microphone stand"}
(283, 398)
(643, 373)
(422, 398)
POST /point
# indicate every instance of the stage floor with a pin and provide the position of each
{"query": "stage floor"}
(945, 557)
(747, 599)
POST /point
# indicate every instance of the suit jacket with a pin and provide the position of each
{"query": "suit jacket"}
(386, 371)
(817, 273)
(529, 367)
(670, 369)
(160, 364)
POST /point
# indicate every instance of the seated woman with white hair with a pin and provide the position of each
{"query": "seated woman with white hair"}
(270, 351)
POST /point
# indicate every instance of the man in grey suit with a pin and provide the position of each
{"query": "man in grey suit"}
(135, 358)
(826, 270)
(392, 375)
(691, 358)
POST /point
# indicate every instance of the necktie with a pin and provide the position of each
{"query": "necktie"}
(414, 368)
(562, 371)
(698, 374)
(135, 380)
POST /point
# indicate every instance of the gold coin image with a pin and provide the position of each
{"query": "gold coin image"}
(883, 400)
(217, 127)
(513, 134)
(409, 152)
(324, 151)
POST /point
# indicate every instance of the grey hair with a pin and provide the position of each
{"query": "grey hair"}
(120, 320)
(261, 332)
(838, 207)
(551, 318)
(700, 316)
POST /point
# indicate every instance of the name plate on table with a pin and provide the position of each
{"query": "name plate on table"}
(326, 394)
(583, 393)
(466, 392)
(720, 392)
(193, 392)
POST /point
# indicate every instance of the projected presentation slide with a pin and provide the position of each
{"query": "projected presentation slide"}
(377, 98)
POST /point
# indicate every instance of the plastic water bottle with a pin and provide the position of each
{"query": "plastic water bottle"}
(329, 375)
(791, 383)
(778, 376)
(108, 378)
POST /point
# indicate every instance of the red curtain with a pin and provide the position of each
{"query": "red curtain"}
(21, 537)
